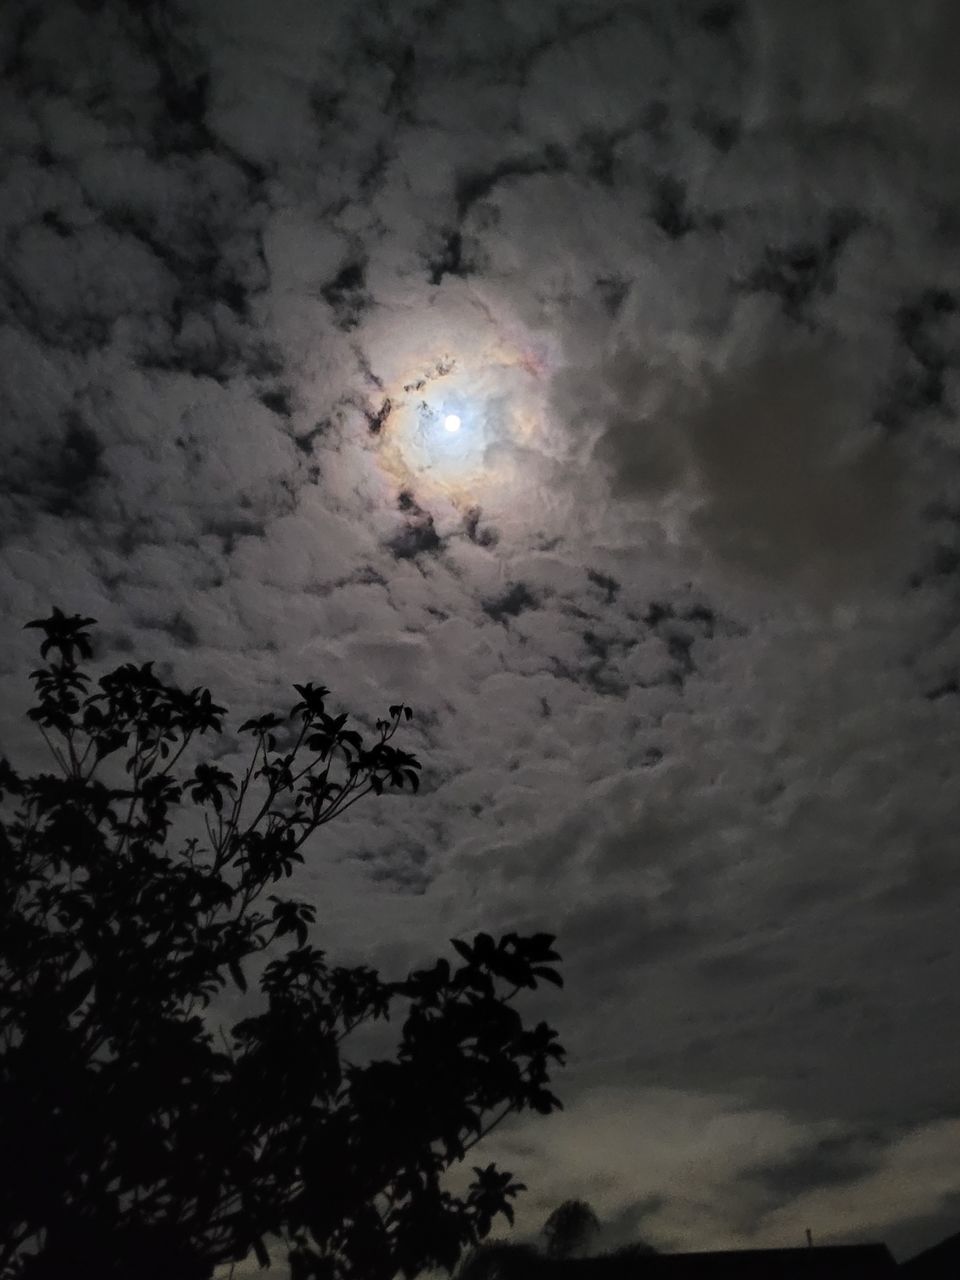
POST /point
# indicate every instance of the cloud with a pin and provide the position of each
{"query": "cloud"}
(913, 1177)
(684, 1172)
(774, 464)
(663, 1165)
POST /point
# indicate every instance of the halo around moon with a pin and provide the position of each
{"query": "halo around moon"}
(457, 424)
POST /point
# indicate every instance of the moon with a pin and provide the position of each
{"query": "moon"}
(460, 420)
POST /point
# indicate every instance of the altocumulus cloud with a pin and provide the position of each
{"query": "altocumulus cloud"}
(677, 605)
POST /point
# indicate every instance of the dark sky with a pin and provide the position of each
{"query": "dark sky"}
(677, 605)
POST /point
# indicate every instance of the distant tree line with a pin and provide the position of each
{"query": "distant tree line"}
(568, 1234)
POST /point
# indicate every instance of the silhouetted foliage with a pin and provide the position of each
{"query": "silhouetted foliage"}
(501, 1260)
(135, 1143)
(636, 1249)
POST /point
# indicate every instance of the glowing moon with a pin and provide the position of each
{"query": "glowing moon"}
(462, 430)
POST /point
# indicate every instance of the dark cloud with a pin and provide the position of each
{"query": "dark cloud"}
(828, 1163)
(603, 582)
(418, 535)
(515, 600)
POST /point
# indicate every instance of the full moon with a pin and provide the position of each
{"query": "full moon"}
(458, 429)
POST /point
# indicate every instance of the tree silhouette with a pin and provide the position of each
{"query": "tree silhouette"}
(138, 1144)
(568, 1232)
(569, 1229)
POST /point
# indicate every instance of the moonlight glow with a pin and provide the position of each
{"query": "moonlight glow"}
(463, 422)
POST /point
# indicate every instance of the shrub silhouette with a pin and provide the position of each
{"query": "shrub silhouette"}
(135, 1142)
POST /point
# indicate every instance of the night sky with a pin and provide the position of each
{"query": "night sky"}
(676, 606)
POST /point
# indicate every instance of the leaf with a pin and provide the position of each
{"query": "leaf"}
(76, 990)
(549, 975)
(237, 974)
(483, 947)
(261, 724)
